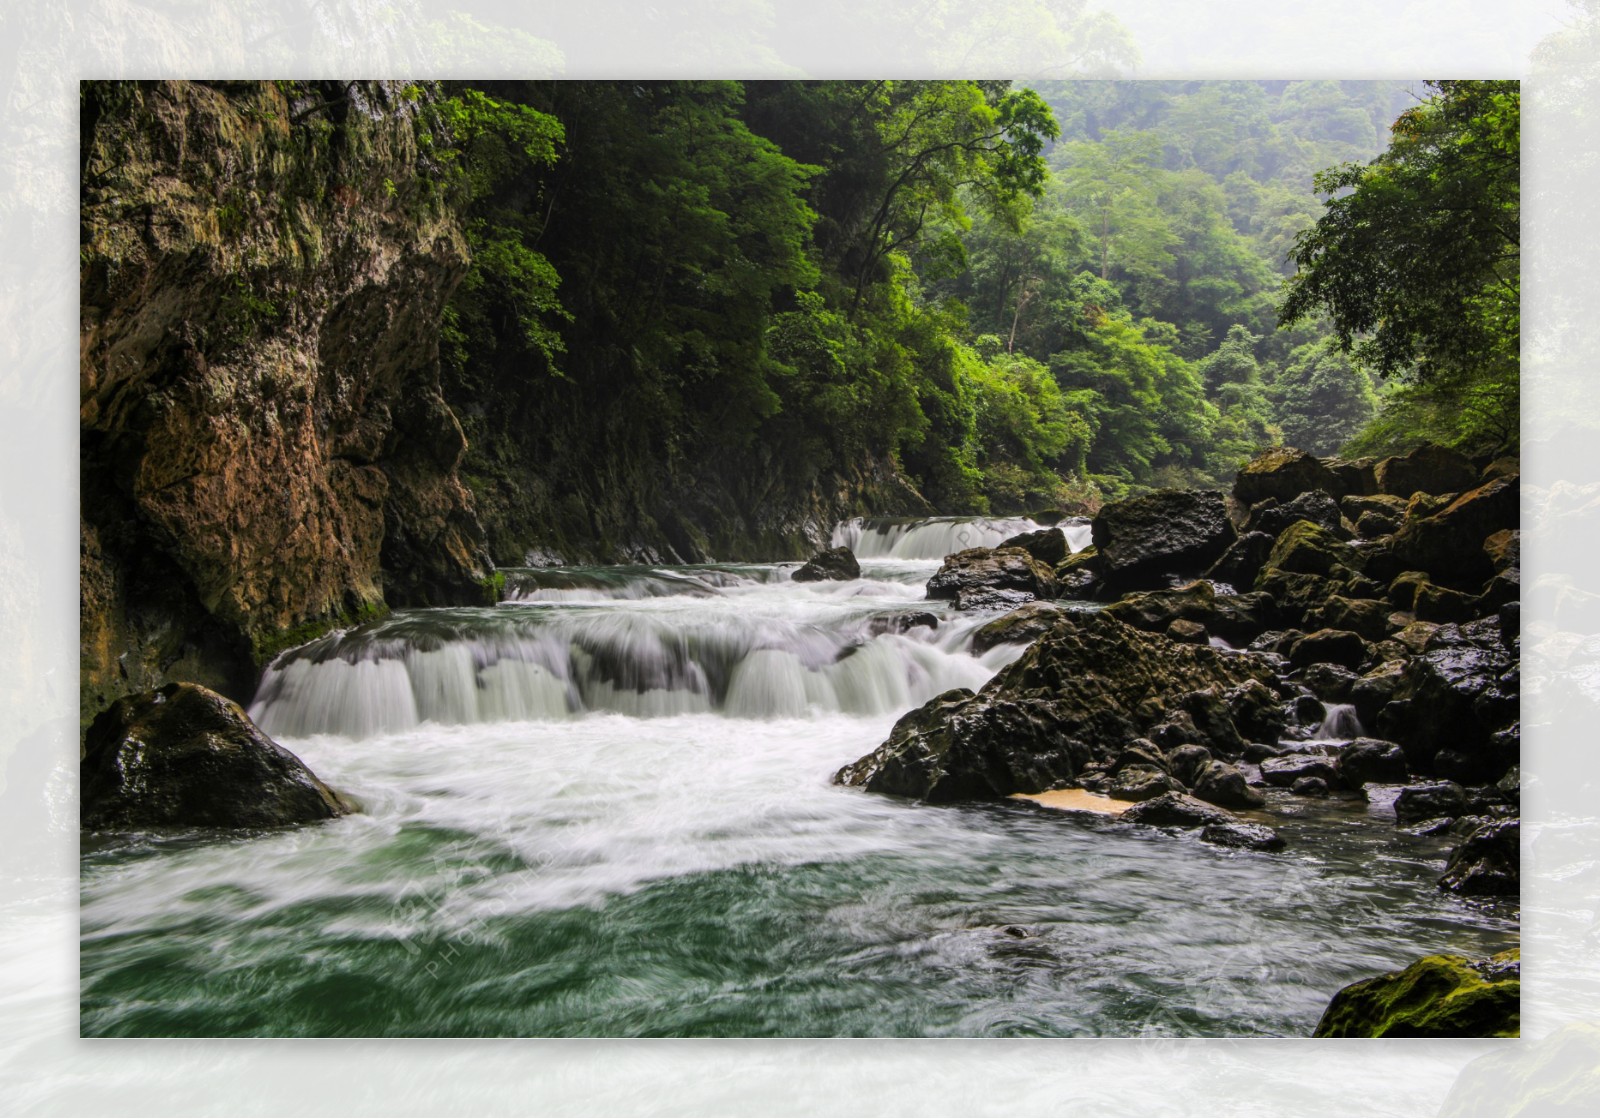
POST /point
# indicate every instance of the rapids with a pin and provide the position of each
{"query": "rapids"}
(603, 807)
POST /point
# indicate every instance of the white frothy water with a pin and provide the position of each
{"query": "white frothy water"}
(934, 539)
(1339, 722)
(747, 647)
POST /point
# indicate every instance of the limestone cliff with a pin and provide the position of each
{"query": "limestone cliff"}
(265, 448)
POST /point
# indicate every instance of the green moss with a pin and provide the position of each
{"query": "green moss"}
(1438, 996)
(265, 646)
(494, 586)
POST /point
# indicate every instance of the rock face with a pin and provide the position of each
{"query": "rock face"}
(1438, 996)
(1168, 532)
(982, 577)
(835, 563)
(265, 450)
(1080, 693)
(1283, 473)
(186, 757)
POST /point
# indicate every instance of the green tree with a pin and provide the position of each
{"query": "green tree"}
(1323, 400)
(1416, 257)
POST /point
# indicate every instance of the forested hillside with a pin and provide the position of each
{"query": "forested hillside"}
(703, 314)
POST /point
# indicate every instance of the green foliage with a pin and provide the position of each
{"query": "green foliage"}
(1416, 258)
(1323, 399)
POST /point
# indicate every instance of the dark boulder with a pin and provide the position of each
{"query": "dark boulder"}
(1355, 506)
(186, 757)
(1363, 616)
(1283, 473)
(1080, 692)
(1441, 604)
(901, 621)
(1187, 762)
(1317, 506)
(1166, 533)
(1141, 782)
(1427, 802)
(1429, 469)
(991, 598)
(1176, 810)
(1190, 633)
(1329, 682)
(1460, 693)
(1449, 544)
(1375, 523)
(1220, 783)
(1309, 787)
(1247, 837)
(1371, 761)
(1488, 863)
(834, 563)
(1330, 646)
(1257, 711)
(979, 573)
(1438, 996)
(1047, 545)
(1241, 563)
(1019, 627)
(1283, 772)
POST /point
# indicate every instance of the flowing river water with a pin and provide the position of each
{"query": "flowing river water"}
(603, 807)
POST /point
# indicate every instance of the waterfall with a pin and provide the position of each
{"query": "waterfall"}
(1339, 722)
(883, 538)
(649, 643)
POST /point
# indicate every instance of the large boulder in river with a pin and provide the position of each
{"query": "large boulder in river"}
(1047, 545)
(1449, 544)
(834, 563)
(186, 757)
(1080, 693)
(1283, 473)
(1168, 532)
(1428, 469)
(981, 575)
(1438, 996)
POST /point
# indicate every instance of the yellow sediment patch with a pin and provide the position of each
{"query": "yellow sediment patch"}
(1077, 800)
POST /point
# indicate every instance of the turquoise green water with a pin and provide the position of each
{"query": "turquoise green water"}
(644, 862)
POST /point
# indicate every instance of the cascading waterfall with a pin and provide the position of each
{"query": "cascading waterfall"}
(885, 538)
(1339, 723)
(639, 642)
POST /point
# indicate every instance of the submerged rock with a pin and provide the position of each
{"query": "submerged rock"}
(834, 563)
(1249, 837)
(186, 757)
(1081, 692)
(1438, 996)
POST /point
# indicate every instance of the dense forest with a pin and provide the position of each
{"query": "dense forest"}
(964, 295)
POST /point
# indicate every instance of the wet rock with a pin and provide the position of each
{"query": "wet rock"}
(1258, 752)
(1430, 469)
(185, 757)
(1220, 783)
(1438, 996)
(1306, 549)
(1168, 532)
(1316, 506)
(1248, 837)
(901, 622)
(1309, 787)
(1441, 604)
(1285, 771)
(833, 563)
(1154, 611)
(1256, 711)
(1187, 762)
(1078, 576)
(1080, 691)
(1424, 802)
(1368, 618)
(1176, 810)
(985, 577)
(1510, 785)
(1190, 633)
(1371, 760)
(1416, 635)
(1355, 506)
(1239, 565)
(1375, 523)
(1140, 751)
(1449, 544)
(1504, 549)
(1403, 589)
(1357, 476)
(1047, 545)
(1212, 717)
(1329, 646)
(1487, 862)
(1329, 682)
(1460, 695)
(1283, 473)
(1141, 782)
(1019, 627)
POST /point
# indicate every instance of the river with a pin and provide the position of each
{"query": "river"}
(603, 807)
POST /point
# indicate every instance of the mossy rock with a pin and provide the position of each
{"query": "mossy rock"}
(1438, 996)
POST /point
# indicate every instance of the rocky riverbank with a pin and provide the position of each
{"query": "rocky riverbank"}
(1328, 627)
